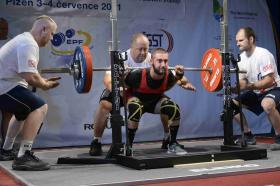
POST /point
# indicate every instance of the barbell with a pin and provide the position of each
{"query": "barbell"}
(81, 68)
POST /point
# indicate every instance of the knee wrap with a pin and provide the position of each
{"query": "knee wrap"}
(171, 109)
(235, 108)
(135, 110)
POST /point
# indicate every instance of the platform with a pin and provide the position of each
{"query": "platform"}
(117, 174)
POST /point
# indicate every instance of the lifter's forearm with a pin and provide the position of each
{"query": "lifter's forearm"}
(107, 81)
(35, 80)
(265, 83)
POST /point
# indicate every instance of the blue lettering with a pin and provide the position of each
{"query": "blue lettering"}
(74, 41)
(79, 6)
(73, 5)
(8, 2)
(58, 4)
(154, 39)
(64, 5)
(88, 126)
(19, 2)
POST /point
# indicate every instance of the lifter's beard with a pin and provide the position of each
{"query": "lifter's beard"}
(158, 72)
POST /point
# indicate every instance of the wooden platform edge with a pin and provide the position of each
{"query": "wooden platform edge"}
(211, 164)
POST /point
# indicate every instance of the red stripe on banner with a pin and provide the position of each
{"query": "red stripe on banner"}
(255, 179)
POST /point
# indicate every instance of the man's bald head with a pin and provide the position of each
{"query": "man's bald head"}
(139, 47)
(43, 29)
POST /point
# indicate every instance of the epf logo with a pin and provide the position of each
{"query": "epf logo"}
(60, 38)
(71, 37)
(161, 39)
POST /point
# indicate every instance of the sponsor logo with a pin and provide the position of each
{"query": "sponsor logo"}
(32, 63)
(88, 126)
(267, 68)
(236, 14)
(161, 38)
(217, 10)
(70, 39)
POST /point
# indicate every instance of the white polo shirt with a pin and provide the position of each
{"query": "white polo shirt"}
(131, 63)
(258, 65)
(20, 54)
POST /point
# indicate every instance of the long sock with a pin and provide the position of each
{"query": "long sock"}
(25, 146)
(166, 135)
(98, 139)
(9, 142)
(131, 135)
(173, 133)
(248, 133)
(13, 130)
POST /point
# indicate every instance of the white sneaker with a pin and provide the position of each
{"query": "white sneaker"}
(176, 149)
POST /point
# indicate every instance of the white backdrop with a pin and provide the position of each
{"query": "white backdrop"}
(188, 28)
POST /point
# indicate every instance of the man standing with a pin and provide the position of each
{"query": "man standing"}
(260, 85)
(18, 68)
(138, 56)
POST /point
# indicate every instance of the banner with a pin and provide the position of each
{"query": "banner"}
(185, 28)
(96, 8)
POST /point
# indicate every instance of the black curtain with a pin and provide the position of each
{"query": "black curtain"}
(274, 7)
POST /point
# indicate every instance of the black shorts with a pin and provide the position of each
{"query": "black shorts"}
(152, 106)
(20, 101)
(253, 101)
(107, 95)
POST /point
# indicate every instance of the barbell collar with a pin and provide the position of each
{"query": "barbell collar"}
(233, 70)
(101, 69)
(56, 70)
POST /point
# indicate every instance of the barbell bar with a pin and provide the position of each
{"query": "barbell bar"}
(81, 68)
(70, 71)
(187, 69)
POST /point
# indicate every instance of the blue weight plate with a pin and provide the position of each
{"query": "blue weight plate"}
(83, 61)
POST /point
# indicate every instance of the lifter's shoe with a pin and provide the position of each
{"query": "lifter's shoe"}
(95, 148)
(30, 162)
(277, 139)
(6, 155)
(165, 143)
(250, 140)
(174, 148)
(129, 151)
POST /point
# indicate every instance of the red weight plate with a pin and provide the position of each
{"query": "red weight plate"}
(88, 70)
(212, 81)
